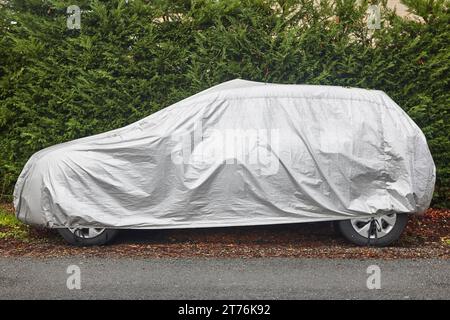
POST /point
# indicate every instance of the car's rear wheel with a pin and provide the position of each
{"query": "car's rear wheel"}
(378, 231)
(87, 236)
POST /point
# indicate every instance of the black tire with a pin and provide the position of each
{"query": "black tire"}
(75, 239)
(346, 228)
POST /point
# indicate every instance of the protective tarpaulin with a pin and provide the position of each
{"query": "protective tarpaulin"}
(240, 153)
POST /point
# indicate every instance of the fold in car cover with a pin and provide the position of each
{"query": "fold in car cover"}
(240, 153)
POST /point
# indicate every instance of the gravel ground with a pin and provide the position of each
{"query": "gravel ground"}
(426, 236)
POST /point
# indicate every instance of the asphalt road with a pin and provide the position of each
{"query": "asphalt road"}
(274, 278)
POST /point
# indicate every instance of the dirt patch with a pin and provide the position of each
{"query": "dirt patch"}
(426, 236)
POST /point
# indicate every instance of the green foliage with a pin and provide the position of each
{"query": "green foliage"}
(132, 59)
(11, 228)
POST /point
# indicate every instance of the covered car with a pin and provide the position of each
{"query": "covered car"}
(240, 153)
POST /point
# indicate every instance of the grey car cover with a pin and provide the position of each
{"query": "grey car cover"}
(240, 153)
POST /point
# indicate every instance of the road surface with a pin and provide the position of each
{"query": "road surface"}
(271, 278)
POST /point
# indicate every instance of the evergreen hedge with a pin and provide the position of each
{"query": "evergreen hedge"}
(132, 58)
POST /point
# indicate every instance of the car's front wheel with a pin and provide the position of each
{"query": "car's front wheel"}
(87, 236)
(378, 231)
